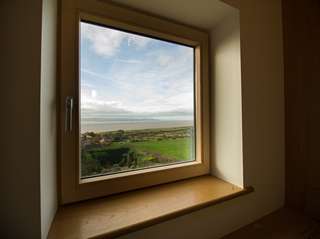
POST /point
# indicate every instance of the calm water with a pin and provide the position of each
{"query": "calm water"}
(106, 122)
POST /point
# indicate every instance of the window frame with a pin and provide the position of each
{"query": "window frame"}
(72, 187)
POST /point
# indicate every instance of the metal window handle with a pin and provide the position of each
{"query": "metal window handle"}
(68, 115)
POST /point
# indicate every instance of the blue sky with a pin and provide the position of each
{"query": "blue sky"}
(128, 73)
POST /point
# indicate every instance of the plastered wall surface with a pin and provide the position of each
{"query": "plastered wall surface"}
(262, 94)
(226, 107)
(48, 138)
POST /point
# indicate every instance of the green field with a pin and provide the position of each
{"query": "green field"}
(179, 149)
(111, 152)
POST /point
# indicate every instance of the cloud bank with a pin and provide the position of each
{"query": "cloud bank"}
(123, 72)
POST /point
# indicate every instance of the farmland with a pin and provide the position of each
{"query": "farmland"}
(116, 151)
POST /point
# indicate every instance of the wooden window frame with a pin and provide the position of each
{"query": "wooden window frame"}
(72, 188)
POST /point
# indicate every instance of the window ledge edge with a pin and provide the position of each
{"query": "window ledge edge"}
(107, 218)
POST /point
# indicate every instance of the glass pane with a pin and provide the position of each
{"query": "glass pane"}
(136, 101)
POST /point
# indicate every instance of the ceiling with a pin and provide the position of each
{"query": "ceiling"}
(204, 14)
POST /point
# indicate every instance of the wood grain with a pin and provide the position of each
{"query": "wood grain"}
(119, 214)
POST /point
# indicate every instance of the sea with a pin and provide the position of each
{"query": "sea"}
(111, 122)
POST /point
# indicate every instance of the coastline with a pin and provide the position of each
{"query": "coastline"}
(106, 127)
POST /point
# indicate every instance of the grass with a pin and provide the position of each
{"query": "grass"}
(135, 149)
(179, 149)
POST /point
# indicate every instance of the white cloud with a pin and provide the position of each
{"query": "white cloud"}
(93, 93)
(106, 41)
(161, 80)
(101, 77)
(138, 41)
(164, 60)
(167, 86)
(128, 61)
(90, 101)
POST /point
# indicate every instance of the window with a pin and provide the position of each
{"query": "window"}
(135, 101)
(125, 127)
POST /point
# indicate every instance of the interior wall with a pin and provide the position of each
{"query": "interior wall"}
(262, 90)
(263, 95)
(302, 84)
(20, 118)
(48, 137)
(262, 121)
(226, 103)
(28, 179)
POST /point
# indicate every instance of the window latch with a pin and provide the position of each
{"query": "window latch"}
(68, 113)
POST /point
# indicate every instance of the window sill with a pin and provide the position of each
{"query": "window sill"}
(123, 213)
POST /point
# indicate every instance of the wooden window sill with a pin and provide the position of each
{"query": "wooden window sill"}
(123, 213)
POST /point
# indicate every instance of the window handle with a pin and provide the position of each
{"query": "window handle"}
(69, 112)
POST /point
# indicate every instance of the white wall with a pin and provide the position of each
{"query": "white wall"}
(262, 94)
(226, 104)
(48, 147)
